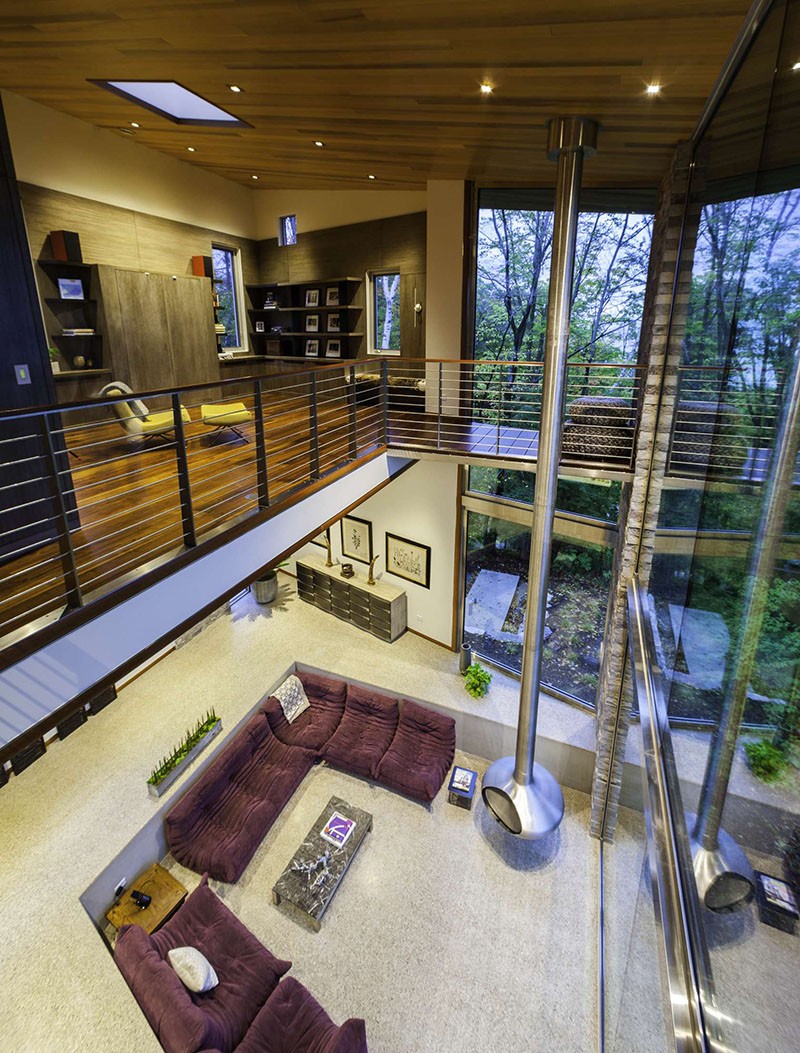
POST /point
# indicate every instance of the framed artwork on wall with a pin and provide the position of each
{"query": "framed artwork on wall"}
(334, 325)
(333, 349)
(312, 348)
(312, 323)
(259, 327)
(409, 560)
(332, 297)
(312, 297)
(356, 538)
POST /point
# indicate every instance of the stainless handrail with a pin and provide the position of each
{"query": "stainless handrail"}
(693, 1008)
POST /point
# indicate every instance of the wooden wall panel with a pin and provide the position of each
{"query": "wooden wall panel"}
(145, 333)
(190, 320)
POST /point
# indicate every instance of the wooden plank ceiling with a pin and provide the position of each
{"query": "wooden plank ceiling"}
(392, 88)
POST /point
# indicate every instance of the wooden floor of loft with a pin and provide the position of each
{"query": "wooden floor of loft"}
(128, 500)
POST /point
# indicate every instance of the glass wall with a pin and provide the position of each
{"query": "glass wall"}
(725, 580)
(496, 569)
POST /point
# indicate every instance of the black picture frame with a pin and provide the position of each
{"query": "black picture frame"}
(422, 577)
(364, 529)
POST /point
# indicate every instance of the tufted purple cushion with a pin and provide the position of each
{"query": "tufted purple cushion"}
(367, 728)
(223, 817)
(420, 754)
(314, 727)
(293, 1021)
(185, 1022)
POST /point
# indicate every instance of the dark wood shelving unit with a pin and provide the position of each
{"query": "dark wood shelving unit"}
(79, 352)
(283, 310)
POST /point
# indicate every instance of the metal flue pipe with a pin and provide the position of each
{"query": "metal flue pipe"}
(520, 793)
(724, 876)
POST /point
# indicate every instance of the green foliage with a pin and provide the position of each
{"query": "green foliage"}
(53, 353)
(765, 760)
(477, 680)
(187, 744)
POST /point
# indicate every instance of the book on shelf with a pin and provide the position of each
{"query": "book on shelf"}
(77, 332)
(219, 328)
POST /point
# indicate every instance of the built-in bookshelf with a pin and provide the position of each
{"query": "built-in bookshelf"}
(321, 319)
(71, 314)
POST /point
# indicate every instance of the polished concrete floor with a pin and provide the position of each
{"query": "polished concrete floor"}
(446, 935)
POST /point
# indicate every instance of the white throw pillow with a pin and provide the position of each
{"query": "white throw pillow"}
(193, 968)
(292, 698)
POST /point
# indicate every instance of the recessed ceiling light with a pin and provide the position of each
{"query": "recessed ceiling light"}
(235, 88)
(318, 142)
(370, 177)
(190, 149)
(171, 100)
(254, 177)
(134, 124)
(486, 88)
(652, 89)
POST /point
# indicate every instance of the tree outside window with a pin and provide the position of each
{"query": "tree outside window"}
(386, 311)
(224, 266)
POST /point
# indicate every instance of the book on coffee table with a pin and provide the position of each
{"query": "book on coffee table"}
(337, 829)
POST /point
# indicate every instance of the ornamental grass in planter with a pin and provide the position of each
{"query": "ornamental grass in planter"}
(191, 745)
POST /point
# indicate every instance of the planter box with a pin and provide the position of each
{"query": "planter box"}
(155, 790)
(265, 590)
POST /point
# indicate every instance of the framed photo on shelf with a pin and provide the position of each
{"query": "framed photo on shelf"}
(334, 323)
(333, 349)
(312, 297)
(312, 348)
(70, 288)
(312, 323)
(332, 297)
(409, 560)
(320, 539)
(356, 538)
(259, 327)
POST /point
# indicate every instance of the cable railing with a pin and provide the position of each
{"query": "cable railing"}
(723, 428)
(95, 494)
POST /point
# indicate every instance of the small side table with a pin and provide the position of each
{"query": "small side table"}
(166, 895)
(461, 789)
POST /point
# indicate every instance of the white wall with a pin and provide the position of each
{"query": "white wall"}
(318, 209)
(445, 254)
(53, 150)
(420, 505)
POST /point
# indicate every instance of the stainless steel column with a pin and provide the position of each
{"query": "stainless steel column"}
(724, 876)
(523, 795)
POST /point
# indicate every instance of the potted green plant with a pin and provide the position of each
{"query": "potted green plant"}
(55, 365)
(477, 680)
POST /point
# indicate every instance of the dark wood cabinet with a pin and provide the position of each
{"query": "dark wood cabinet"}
(380, 609)
(323, 319)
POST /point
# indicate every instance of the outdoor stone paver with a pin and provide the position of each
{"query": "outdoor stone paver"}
(705, 640)
(489, 601)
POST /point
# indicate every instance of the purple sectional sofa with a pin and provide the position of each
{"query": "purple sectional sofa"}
(224, 816)
(312, 729)
(249, 1011)
(420, 753)
(367, 727)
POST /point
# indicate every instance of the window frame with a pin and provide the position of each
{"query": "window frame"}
(372, 318)
(242, 347)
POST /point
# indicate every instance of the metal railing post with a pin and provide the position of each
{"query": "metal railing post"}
(385, 402)
(262, 481)
(184, 483)
(353, 419)
(313, 432)
(499, 411)
(439, 410)
(68, 566)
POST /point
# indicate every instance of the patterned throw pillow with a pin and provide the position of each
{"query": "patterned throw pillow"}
(193, 968)
(292, 698)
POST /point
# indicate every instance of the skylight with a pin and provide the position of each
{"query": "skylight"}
(172, 101)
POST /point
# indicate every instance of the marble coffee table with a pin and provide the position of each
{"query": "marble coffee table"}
(315, 871)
